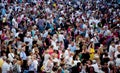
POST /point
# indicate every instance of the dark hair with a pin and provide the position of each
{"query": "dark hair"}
(78, 64)
(55, 68)
(118, 56)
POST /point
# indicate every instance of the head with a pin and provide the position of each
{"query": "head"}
(118, 56)
(118, 48)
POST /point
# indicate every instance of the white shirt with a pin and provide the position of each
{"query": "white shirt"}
(14, 23)
(45, 34)
(35, 62)
(67, 53)
(116, 53)
(84, 26)
(48, 66)
(61, 19)
(16, 35)
(61, 37)
(14, 31)
(96, 68)
(95, 40)
(55, 47)
(111, 51)
(10, 66)
(5, 67)
(75, 62)
(69, 60)
(107, 32)
(28, 39)
(86, 35)
(11, 56)
(117, 62)
(56, 60)
(46, 57)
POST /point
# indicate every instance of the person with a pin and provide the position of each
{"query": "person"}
(117, 60)
(72, 47)
(62, 31)
(117, 52)
(11, 56)
(23, 57)
(5, 66)
(77, 68)
(111, 50)
(91, 51)
(33, 64)
(48, 65)
(95, 66)
(16, 67)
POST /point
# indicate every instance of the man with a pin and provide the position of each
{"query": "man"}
(24, 58)
(118, 60)
(95, 66)
(33, 64)
(5, 66)
(117, 52)
(77, 68)
(72, 47)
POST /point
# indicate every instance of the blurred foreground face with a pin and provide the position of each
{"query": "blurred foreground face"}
(118, 48)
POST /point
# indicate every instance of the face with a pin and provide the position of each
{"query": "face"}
(72, 43)
(119, 48)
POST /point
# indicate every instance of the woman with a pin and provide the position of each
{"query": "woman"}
(48, 65)
(50, 50)
(11, 55)
(91, 51)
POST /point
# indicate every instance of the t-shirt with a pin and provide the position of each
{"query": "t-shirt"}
(11, 56)
(5, 67)
(117, 62)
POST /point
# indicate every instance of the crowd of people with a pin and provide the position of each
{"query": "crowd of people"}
(59, 36)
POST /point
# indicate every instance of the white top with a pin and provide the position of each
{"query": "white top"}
(48, 66)
(117, 62)
(35, 62)
(67, 53)
(69, 60)
(116, 53)
(46, 57)
(11, 56)
(14, 22)
(14, 31)
(55, 47)
(111, 51)
(61, 37)
(30, 40)
(96, 68)
(5, 67)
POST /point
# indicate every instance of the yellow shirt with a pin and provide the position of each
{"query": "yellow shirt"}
(1, 62)
(92, 51)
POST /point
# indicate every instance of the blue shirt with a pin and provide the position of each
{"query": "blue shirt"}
(31, 67)
(23, 55)
(3, 11)
(72, 48)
